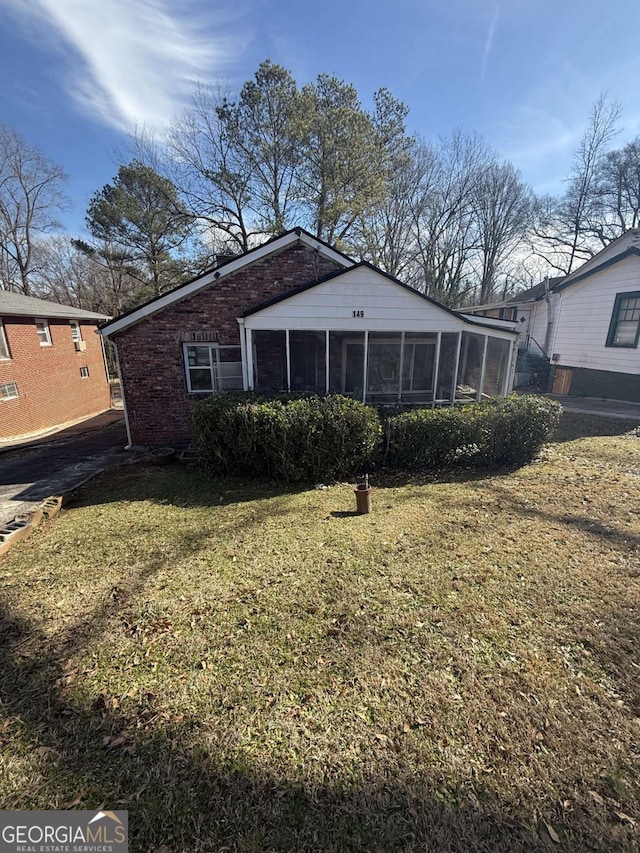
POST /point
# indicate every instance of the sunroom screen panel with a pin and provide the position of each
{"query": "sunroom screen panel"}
(383, 367)
(418, 364)
(470, 368)
(496, 367)
(446, 366)
(346, 363)
(269, 361)
(308, 361)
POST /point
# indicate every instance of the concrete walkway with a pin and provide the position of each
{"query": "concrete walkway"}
(54, 465)
(598, 406)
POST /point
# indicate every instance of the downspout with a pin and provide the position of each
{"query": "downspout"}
(550, 319)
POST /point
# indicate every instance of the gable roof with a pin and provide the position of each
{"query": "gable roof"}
(276, 244)
(532, 294)
(17, 304)
(366, 265)
(577, 276)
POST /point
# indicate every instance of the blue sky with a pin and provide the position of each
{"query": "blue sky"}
(77, 74)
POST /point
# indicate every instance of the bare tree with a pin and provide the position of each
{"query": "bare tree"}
(444, 227)
(618, 191)
(89, 277)
(503, 214)
(569, 228)
(31, 196)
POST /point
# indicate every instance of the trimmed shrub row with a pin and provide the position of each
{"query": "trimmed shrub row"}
(308, 438)
(501, 432)
(312, 438)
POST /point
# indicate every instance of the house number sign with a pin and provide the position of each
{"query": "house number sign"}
(358, 313)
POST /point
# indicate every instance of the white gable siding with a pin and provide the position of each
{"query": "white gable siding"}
(585, 315)
(361, 299)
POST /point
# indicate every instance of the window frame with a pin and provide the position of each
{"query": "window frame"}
(76, 331)
(4, 343)
(613, 324)
(84, 375)
(47, 332)
(213, 366)
(5, 399)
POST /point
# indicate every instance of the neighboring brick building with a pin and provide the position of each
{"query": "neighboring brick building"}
(52, 368)
(295, 314)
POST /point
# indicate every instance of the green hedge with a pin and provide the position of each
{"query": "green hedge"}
(504, 431)
(308, 438)
(311, 438)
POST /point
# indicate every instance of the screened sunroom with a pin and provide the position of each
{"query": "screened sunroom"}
(366, 335)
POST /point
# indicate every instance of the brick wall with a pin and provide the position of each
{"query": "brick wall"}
(51, 390)
(150, 353)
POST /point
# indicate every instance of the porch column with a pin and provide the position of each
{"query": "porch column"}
(456, 365)
(510, 371)
(364, 372)
(243, 355)
(482, 369)
(436, 368)
(286, 336)
(326, 361)
(249, 354)
(401, 367)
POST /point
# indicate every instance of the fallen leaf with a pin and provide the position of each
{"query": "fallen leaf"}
(625, 818)
(596, 796)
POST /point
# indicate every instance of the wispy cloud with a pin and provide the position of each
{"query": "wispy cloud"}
(488, 42)
(131, 63)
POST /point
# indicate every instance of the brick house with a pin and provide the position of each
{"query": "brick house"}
(52, 367)
(294, 314)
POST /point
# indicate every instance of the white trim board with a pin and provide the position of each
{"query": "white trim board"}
(190, 287)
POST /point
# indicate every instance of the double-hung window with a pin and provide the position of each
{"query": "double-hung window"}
(76, 334)
(624, 329)
(44, 333)
(9, 391)
(4, 346)
(210, 367)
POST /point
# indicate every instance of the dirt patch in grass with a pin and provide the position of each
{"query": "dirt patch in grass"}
(245, 668)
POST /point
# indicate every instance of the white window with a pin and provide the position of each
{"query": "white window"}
(210, 367)
(9, 391)
(4, 346)
(44, 333)
(84, 373)
(76, 334)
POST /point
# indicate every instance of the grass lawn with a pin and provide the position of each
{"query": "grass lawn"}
(248, 668)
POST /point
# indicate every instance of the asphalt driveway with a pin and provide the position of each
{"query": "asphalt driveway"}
(53, 466)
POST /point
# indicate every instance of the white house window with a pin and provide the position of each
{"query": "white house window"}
(76, 334)
(4, 346)
(211, 367)
(9, 391)
(84, 373)
(625, 321)
(44, 333)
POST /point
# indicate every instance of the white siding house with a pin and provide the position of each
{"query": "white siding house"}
(587, 324)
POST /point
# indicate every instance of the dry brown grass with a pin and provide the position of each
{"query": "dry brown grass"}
(250, 669)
